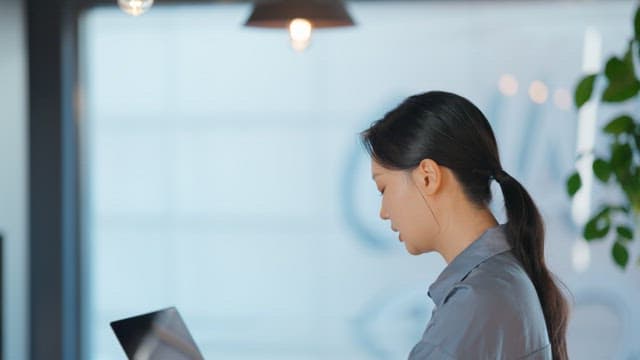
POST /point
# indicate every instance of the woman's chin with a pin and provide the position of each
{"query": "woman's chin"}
(411, 250)
(414, 250)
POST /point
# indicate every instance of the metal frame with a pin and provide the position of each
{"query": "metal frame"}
(54, 249)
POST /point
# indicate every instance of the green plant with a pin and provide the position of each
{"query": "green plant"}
(620, 168)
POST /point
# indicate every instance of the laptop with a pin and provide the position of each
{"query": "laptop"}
(158, 335)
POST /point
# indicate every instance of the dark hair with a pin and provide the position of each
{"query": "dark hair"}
(453, 132)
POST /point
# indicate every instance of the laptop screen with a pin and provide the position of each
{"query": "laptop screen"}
(158, 335)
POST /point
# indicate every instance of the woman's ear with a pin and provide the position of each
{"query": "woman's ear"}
(428, 176)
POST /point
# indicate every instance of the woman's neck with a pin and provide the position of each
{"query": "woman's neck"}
(462, 230)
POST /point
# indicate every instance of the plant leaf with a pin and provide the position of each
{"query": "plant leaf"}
(574, 183)
(623, 83)
(634, 194)
(621, 155)
(621, 124)
(614, 68)
(584, 89)
(636, 136)
(623, 209)
(619, 91)
(625, 232)
(636, 23)
(620, 254)
(602, 170)
(598, 227)
(604, 211)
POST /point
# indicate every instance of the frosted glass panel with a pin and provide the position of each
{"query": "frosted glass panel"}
(224, 175)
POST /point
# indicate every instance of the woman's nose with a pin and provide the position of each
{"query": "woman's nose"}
(383, 214)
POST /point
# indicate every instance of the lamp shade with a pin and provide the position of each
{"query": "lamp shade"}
(279, 13)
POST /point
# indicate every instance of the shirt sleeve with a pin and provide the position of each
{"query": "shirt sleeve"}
(474, 323)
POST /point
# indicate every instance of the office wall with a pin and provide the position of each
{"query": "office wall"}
(13, 197)
(224, 176)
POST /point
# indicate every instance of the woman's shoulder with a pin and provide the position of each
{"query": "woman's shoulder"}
(500, 309)
(501, 290)
(502, 282)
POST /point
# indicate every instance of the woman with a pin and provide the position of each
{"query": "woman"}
(433, 159)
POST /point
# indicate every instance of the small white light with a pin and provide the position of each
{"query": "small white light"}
(562, 99)
(300, 33)
(135, 7)
(508, 85)
(538, 92)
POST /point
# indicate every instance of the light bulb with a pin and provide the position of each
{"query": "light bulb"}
(538, 92)
(508, 84)
(135, 7)
(300, 33)
(562, 98)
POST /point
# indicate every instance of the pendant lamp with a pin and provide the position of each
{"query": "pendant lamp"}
(300, 17)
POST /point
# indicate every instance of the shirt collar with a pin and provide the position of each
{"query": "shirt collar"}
(492, 242)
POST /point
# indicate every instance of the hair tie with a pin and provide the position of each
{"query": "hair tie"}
(485, 173)
(500, 175)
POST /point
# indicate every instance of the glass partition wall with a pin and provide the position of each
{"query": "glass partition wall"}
(224, 175)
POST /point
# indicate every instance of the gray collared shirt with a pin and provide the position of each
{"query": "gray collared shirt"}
(486, 307)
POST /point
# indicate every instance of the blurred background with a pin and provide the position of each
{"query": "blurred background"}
(190, 161)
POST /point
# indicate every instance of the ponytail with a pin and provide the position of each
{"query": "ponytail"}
(525, 233)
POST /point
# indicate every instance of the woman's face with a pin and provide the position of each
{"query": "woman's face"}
(405, 196)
